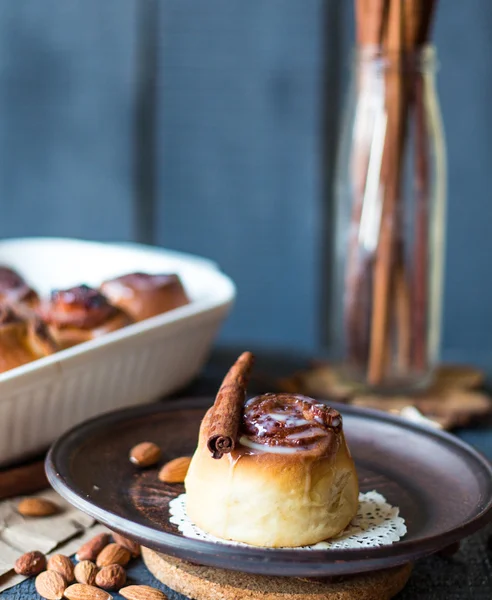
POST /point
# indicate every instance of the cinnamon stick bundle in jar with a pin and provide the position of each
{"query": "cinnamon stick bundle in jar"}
(228, 407)
(386, 279)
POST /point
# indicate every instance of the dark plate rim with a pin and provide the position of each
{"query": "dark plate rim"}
(260, 560)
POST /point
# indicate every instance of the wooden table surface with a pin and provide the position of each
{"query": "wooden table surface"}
(465, 576)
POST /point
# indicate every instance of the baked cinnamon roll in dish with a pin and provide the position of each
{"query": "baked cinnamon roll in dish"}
(15, 291)
(80, 314)
(21, 340)
(274, 471)
(143, 296)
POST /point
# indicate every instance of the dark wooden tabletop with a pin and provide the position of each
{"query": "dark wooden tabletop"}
(466, 575)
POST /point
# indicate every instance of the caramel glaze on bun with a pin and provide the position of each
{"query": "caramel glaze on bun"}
(22, 340)
(142, 295)
(80, 314)
(14, 290)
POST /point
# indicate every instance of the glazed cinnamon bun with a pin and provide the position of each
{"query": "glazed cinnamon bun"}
(143, 296)
(22, 340)
(80, 314)
(288, 481)
(15, 291)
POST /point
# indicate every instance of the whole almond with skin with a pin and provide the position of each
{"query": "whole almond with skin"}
(37, 507)
(50, 585)
(91, 549)
(130, 545)
(142, 592)
(175, 470)
(30, 564)
(113, 554)
(82, 591)
(145, 454)
(112, 577)
(85, 572)
(63, 565)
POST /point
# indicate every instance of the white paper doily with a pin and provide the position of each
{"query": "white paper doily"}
(377, 523)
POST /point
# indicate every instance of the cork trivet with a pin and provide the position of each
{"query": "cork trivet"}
(453, 400)
(459, 376)
(453, 408)
(208, 583)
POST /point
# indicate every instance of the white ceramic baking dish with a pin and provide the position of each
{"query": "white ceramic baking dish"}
(134, 365)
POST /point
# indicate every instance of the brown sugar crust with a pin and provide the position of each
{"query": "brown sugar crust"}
(81, 314)
(293, 421)
(22, 340)
(143, 295)
(14, 290)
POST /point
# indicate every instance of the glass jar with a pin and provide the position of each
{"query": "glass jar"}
(389, 223)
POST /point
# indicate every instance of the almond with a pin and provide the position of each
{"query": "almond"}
(50, 585)
(175, 470)
(112, 577)
(37, 507)
(91, 549)
(113, 554)
(82, 591)
(30, 564)
(85, 572)
(63, 565)
(130, 545)
(145, 454)
(142, 592)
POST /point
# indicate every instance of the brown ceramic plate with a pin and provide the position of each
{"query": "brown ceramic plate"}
(442, 486)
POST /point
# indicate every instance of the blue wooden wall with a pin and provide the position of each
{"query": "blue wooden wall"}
(67, 95)
(240, 119)
(209, 126)
(465, 86)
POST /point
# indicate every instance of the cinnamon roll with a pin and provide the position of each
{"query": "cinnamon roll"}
(15, 291)
(143, 296)
(22, 340)
(288, 481)
(80, 314)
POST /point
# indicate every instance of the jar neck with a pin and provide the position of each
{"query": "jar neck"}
(380, 60)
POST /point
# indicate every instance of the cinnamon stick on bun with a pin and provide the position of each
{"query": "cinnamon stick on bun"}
(288, 481)
(80, 314)
(143, 296)
(15, 291)
(22, 340)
